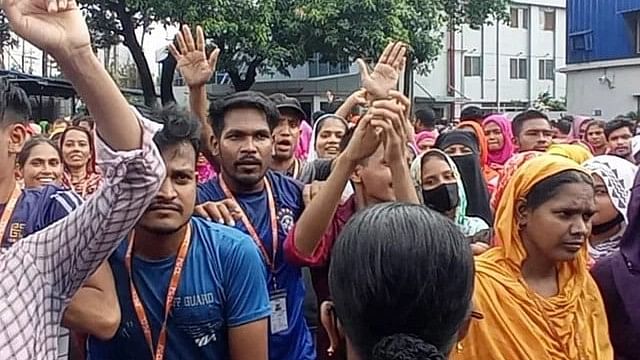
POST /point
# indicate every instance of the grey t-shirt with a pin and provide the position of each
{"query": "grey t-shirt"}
(316, 170)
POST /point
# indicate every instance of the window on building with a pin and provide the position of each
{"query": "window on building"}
(472, 66)
(548, 20)
(318, 67)
(519, 18)
(546, 69)
(514, 17)
(518, 68)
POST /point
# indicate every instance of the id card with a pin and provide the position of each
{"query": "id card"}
(279, 321)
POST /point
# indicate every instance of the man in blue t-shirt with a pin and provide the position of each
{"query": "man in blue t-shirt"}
(208, 278)
(272, 202)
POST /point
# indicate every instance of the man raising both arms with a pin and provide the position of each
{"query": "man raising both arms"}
(40, 273)
(220, 307)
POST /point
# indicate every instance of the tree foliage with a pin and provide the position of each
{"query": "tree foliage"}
(112, 22)
(260, 36)
(546, 102)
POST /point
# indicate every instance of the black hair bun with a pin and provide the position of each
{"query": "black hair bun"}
(405, 347)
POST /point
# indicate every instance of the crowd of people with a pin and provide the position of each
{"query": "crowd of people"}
(239, 229)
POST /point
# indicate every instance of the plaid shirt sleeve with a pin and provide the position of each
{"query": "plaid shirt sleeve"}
(40, 274)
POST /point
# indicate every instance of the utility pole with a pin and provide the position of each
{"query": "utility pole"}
(45, 63)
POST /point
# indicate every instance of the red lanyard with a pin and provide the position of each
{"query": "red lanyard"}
(252, 231)
(171, 292)
(9, 207)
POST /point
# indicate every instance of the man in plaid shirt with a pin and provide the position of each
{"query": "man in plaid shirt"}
(40, 273)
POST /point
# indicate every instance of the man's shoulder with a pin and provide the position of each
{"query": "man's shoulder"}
(285, 184)
(217, 236)
(209, 191)
(48, 198)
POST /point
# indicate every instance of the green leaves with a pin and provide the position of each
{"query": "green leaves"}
(274, 34)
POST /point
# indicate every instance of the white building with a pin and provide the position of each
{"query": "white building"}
(499, 67)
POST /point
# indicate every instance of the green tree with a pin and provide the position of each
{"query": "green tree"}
(260, 36)
(546, 102)
(287, 33)
(112, 22)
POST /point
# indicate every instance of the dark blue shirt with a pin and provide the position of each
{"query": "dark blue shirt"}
(222, 286)
(36, 209)
(295, 343)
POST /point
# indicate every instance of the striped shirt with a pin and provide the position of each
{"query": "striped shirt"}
(40, 273)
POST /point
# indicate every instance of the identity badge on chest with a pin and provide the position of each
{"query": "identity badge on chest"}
(279, 321)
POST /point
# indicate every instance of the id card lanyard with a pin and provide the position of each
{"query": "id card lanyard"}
(270, 261)
(9, 208)
(161, 346)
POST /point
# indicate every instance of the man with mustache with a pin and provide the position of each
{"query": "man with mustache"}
(270, 202)
(188, 288)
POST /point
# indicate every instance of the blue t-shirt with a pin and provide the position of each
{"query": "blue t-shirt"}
(218, 289)
(295, 343)
(36, 209)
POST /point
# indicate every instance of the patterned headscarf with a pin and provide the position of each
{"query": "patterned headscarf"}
(618, 175)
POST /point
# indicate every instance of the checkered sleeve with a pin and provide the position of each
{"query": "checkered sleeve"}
(67, 252)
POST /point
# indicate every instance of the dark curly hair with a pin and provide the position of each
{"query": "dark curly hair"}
(179, 127)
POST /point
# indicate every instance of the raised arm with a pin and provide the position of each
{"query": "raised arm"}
(67, 252)
(196, 69)
(390, 116)
(356, 98)
(58, 27)
(318, 214)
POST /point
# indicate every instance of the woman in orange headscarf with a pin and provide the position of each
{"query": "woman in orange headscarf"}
(534, 291)
(490, 175)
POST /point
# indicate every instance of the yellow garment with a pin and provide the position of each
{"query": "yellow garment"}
(519, 324)
(575, 152)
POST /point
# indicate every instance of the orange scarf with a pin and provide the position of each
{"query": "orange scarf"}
(518, 323)
(490, 175)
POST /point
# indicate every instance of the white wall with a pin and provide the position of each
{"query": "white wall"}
(585, 92)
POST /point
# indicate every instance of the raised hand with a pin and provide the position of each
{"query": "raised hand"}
(357, 98)
(195, 67)
(388, 115)
(223, 212)
(365, 141)
(386, 73)
(406, 104)
(55, 26)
